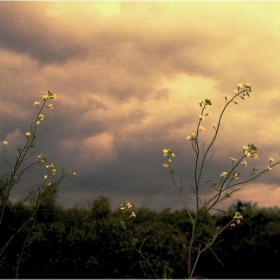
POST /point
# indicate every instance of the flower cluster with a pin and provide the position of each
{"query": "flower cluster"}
(52, 168)
(125, 206)
(243, 91)
(236, 219)
(46, 96)
(250, 151)
(168, 154)
(191, 137)
(49, 95)
(72, 172)
(205, 103)
(245, 88)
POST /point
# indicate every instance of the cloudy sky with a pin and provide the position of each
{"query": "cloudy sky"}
(129, 76)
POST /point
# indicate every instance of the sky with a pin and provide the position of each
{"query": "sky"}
(129, 77)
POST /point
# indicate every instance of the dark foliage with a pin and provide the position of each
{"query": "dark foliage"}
(92, 243)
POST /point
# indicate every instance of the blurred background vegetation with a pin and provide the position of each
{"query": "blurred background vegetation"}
(91, 243)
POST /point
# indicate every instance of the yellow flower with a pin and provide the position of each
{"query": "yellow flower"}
(271, 159)
(254, 154)
(254, 169)
(224, 174)
(45, 177)
(168, 153)
(190, 137)
(214, 125)
(49, 106)
(248, 87)
(239, 86)
(244, 162)
(201, 128)
(250, 151)
(269, 168)
(233, 159)
(51, 95)
(27, 134)
(38, 122)
(72, 172)
(236, 175)
(41, 117)
(36, 103)
(237, 216)
(201, 117)
(133, 215)
(165, 165)
(4, 145)
(126, 205)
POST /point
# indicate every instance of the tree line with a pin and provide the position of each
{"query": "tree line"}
(92, 243)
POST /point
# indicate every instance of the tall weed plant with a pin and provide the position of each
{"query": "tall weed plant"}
(28, 157)
(229, 182)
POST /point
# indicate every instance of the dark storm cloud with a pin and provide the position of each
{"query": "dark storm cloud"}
(26, 30)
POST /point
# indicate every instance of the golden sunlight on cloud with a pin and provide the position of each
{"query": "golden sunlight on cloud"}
(265, 195)
(60, 9)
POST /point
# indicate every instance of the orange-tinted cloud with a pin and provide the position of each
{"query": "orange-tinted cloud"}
(129, 76)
